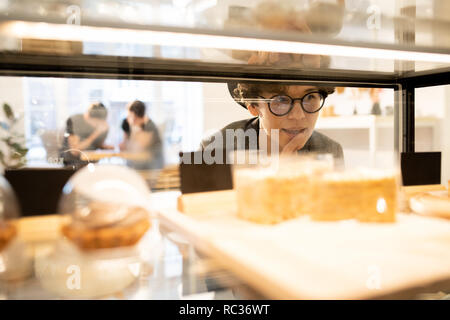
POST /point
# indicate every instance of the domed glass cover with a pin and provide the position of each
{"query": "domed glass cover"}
(108, 205)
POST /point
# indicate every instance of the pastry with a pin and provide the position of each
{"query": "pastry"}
(102, 225)
(7, 232)
(267, 197)
(273, 15)
(366, 195)
(434, 203)
(276, 16)
(270, 196)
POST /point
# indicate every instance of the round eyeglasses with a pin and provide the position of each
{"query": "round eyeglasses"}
(281, 105)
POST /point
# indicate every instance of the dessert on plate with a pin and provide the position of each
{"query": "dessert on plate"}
(107, 214)
(104, 225)
(269, 196)
(364, 194)
(275, 194)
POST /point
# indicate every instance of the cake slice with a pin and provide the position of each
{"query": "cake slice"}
(366, 195)
(275, 194)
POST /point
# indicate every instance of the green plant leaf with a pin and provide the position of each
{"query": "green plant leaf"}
(16, 155)
(18, 148)
(8, 111)
(14, 145)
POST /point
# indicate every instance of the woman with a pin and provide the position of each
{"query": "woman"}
(283, 115)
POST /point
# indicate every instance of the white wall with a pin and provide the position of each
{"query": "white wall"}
(435, 102)
(11, 92)
(430, 102)
(445, 138)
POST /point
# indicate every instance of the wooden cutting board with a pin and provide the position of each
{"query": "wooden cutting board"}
(303, 259)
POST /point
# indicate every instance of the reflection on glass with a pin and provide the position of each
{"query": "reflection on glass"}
(148, 123)
(146, 29)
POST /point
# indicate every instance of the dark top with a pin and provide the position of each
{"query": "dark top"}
(318, 142)
(77, 125)
(155, 147)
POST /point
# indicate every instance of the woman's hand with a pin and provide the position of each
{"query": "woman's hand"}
(294, 145)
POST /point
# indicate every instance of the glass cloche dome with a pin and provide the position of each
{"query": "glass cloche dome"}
(109, 207)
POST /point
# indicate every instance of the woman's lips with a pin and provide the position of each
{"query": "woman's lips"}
(294, 132)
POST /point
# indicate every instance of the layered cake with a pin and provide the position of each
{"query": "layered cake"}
(268, 195)
(366, 195)
(7, 233)
(104, 225)
(271, 196)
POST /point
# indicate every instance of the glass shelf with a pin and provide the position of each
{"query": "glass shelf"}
(378, 41)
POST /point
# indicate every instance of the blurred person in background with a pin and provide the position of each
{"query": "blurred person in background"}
(141, 136)
(86, 131)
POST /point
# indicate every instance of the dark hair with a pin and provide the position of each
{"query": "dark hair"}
(138, 108)
(242, 91)
(97, 110)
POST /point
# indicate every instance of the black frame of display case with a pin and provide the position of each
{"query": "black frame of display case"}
(403, 83)
(134, 68)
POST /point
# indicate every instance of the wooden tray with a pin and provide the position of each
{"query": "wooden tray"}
(302, 259)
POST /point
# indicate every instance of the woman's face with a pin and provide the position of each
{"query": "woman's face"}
(296, 123)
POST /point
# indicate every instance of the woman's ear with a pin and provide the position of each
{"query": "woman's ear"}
(253, 110)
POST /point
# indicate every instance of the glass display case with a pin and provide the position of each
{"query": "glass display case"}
(376, 43)
(95, 66)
